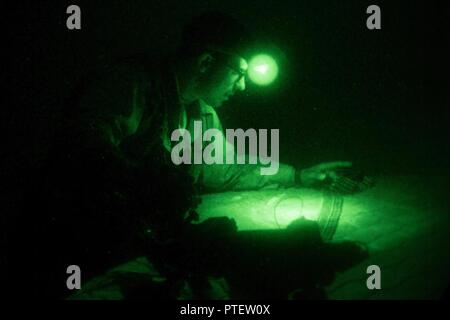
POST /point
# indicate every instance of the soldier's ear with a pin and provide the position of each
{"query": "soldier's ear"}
(204, 62)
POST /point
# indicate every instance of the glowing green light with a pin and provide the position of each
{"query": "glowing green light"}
(262, 70)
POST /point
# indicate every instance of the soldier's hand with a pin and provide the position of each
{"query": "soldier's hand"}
(319, 174)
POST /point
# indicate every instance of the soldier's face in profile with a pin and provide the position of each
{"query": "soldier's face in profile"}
(223, 81)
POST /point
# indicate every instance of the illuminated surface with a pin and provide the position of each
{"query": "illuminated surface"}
(263, 70)
(265, 209)
(402, 220)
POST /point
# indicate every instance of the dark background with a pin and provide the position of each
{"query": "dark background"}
(377, 97)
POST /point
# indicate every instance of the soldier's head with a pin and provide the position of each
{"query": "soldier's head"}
(211, 58)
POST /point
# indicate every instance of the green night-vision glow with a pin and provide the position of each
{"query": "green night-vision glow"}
(262, 69)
